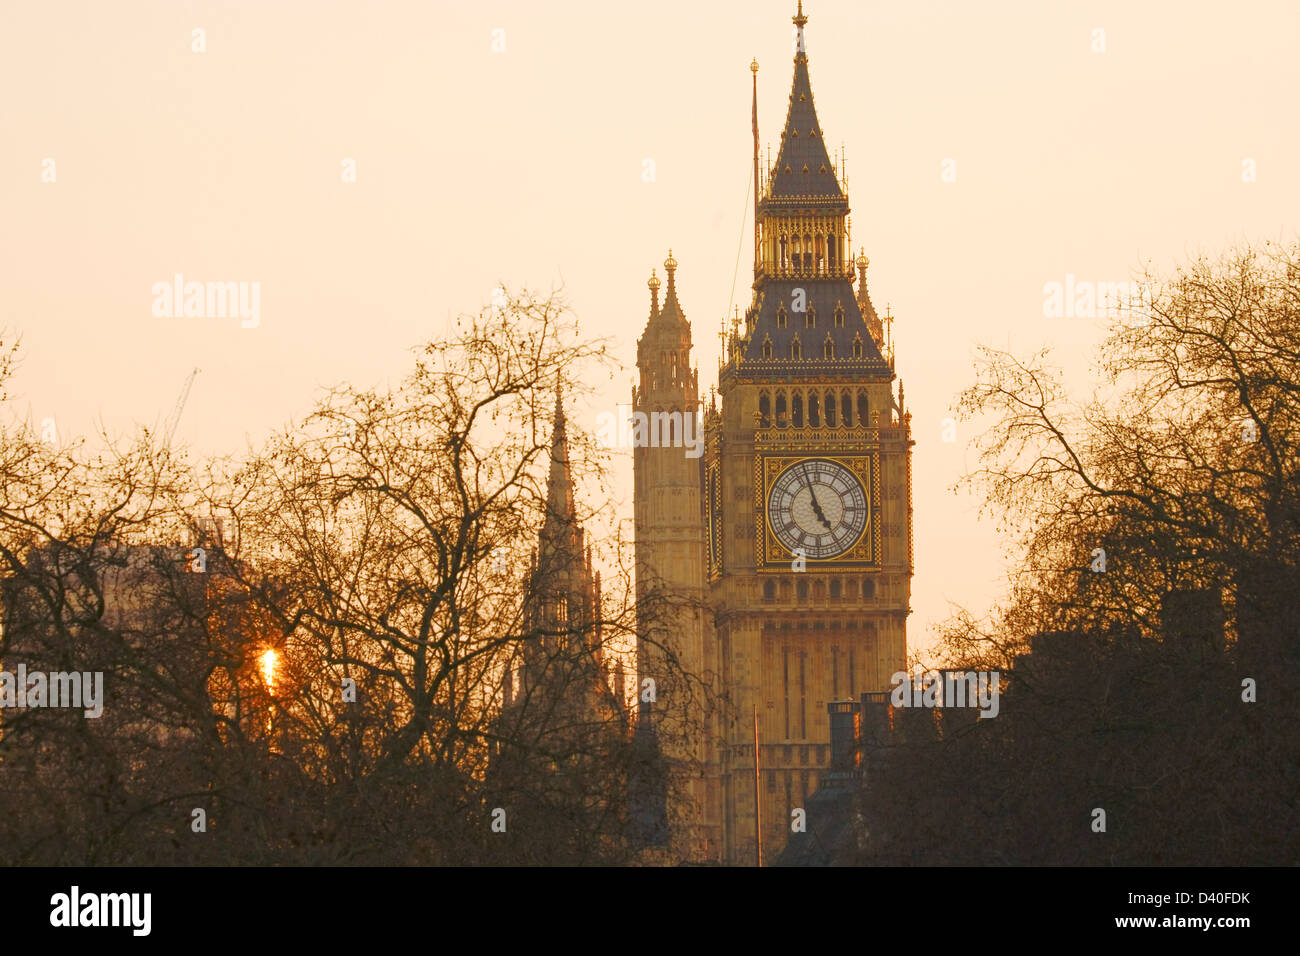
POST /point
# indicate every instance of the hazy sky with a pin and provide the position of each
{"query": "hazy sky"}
(526, 166)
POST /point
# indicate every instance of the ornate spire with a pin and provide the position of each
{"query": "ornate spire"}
(864, 302)
(559, 484)
(803, 234)
(672, 309)
(663, 350)
(803, 167)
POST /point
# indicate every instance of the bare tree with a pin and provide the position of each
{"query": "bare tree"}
(1155, 599)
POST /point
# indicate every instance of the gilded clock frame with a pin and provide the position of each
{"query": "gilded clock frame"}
(772, 556)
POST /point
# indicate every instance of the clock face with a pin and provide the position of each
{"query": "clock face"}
(818, 506)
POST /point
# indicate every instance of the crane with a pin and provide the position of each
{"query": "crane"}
(172, 420)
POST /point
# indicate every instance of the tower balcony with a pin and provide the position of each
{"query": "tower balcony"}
(810, 270)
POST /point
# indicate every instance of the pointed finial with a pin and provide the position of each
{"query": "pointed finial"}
(753, 66)
(653, 285)
(799, 18)
(670, 266)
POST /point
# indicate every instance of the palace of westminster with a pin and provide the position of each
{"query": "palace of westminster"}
(779, 562)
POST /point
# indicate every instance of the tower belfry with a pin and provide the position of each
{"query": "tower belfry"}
(802, 508)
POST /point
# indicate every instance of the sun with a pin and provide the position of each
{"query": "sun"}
(267, 664)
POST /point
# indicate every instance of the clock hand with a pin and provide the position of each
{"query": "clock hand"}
(817, 510)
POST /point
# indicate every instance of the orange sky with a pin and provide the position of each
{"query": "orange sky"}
(526, 166)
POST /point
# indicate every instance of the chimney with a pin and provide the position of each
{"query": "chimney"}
(846, 726)
(876, 722)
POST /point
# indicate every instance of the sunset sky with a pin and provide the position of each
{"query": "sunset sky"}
(525, 167)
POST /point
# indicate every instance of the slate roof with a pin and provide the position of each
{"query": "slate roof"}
(823, 295)
(803, 167)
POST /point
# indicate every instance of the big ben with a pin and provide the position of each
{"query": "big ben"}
(805, 499)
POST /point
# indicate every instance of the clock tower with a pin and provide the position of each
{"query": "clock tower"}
(806, 493)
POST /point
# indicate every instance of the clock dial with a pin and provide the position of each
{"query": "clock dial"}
(818, 506)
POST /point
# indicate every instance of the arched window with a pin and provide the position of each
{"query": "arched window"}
(863, 418)
(767, 346)
(819, 590)
(796, 410)
(785, 254)
(780, 316)
(839, 316)
(846, 410)
(807, 253)
(830, 409)
(769, 590)
(764, 410)
(802, 589)
(810, 318)
(796, 350)
(814, 411)
(832, 248)
(857, 346)
(836, 589)
(780, 410)
(828, 347)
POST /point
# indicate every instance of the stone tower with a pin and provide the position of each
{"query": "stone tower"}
(671, 589)
(806, 495)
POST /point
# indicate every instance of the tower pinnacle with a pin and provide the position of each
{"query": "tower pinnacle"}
(561, 517)
(672, 309)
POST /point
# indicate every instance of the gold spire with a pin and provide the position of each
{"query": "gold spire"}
(799, 18)
(653, 285)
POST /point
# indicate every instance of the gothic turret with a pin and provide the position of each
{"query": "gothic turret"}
(667, 464)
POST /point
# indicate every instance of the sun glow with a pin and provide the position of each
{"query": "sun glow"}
(267, 664)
